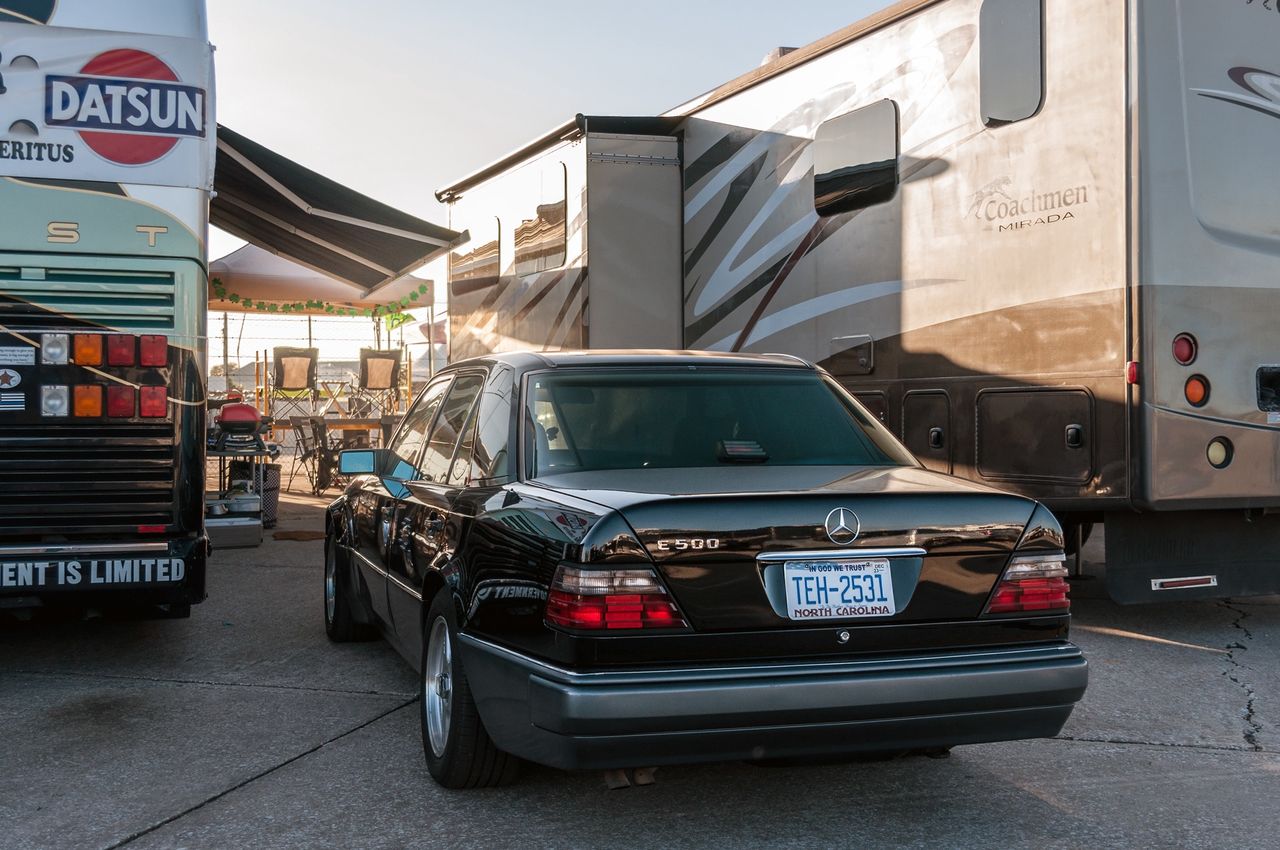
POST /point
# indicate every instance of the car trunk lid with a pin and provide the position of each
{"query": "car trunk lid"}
(916, 546)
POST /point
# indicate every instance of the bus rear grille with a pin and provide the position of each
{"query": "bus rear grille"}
(39, 299)
(72, 477)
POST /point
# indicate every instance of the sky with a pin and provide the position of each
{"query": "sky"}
(397, 98)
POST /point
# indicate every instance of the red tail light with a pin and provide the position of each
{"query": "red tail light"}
(611, 599)
(122, 402)
(120, 350)
(154, 350)
(1185, 349)
(1032, 584)
(155, 402)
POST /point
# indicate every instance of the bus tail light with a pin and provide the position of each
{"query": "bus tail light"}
(154, 351)
(88, 399)
(120, 350)
(55, 400)
(87, 349)
(55, 349)
(155, 402)
(122, 402)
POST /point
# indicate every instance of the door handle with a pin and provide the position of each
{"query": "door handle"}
(937, 439)
(1075, 436)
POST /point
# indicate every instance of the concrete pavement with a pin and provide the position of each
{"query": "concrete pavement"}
(244, 727)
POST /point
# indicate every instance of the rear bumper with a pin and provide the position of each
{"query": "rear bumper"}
(103, 574)
(651, 717)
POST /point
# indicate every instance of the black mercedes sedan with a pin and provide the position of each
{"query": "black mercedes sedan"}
(630, 559)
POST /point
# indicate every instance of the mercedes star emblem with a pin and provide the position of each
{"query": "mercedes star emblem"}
(843, 526)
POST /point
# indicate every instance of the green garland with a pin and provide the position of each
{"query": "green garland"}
(393, 311)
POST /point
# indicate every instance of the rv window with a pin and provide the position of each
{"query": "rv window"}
(855, 159)
(541, 241)
(481, 259)
(1011, 36)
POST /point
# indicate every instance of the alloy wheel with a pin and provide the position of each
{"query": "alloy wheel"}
(437, 687)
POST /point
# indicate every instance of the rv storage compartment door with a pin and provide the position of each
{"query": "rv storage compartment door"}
(1035, 435)
(926, 428)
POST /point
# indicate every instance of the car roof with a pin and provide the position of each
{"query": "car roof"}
(525, 361)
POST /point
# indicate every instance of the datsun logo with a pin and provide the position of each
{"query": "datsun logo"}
(127, 105)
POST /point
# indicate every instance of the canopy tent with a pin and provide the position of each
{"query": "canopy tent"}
(252, 275)
(360, 244)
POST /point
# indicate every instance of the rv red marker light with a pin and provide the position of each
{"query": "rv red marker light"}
(1197, 390)
(155, 402)
(1185, 349)
(122, 401)
(155, 350)
(1132, 372)
(120, 350)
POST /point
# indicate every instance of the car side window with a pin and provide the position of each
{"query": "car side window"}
(460, 469)
(409, 440)
(491, 458)
(448, 427)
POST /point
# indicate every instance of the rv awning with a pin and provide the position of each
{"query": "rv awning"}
(271, 201)
(253, 275)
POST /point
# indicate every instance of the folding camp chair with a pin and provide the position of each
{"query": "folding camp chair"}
(306, 455)
(378, 389)
(326, 455)
(293, 384)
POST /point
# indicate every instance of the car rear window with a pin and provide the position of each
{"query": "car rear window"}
(629, 419)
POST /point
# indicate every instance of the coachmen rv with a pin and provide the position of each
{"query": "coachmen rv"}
(1039, 238)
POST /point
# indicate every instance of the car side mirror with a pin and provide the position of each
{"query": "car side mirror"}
(362, 461)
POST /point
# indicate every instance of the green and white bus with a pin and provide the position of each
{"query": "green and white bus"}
(107, 146)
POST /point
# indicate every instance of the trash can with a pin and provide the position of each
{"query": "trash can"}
(242, 471)
(270, 495)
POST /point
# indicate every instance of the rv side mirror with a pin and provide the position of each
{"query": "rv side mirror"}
(361, 461)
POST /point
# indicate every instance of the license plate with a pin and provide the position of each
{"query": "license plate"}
(88, 573)
(838, 590)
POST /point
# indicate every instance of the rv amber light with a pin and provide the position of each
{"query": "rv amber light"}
(87, 399)
(1220, 452)
(55, 349)
(1197, 390)
(1185, 349)
(88, 349)
(120, 350)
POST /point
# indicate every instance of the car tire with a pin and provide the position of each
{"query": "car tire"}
(339, 622)
(459, 752)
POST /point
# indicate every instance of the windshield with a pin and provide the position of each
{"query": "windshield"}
(628, 419)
